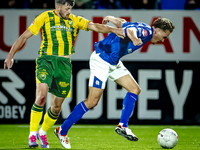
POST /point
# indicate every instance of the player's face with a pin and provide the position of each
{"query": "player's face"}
(64, 11)
(159, 35)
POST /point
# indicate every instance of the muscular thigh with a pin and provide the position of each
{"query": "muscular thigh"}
(123, 77)
(129, 83)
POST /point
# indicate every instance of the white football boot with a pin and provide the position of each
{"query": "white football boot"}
(64, 140)
(126, 132)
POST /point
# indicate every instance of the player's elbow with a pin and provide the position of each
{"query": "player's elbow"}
(120, 22)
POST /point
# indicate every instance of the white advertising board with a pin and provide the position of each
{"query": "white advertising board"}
(182, 45)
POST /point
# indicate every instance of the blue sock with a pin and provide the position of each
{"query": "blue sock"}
(128, 106)
(76, 114)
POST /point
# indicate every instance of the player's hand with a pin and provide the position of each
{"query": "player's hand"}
(8, 63)
(105, 20)
(137, 42)
(120, 32)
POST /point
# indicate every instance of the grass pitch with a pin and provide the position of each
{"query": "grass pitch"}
(101, 137)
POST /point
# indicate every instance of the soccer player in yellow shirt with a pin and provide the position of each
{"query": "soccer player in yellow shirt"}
(53, 66)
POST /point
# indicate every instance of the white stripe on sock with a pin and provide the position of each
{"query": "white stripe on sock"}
(133, 97)
(83, 107)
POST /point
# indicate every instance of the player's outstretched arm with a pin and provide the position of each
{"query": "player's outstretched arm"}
(118, 22)
(101, 28)
(16, 46)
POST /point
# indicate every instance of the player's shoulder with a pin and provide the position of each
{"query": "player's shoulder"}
(142, 24)
(128, 24)
(46, 13)
(75, 17)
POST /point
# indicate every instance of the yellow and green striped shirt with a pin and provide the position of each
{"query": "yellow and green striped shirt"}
(58, 34)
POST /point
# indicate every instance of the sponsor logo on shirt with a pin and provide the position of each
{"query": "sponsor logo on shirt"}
(61, 28)
(144, 32)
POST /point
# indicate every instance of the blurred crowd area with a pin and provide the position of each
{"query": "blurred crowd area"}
(106, 4)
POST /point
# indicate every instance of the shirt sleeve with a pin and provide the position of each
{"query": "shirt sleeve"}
(81, 23)
(126, 24)
(37, 24)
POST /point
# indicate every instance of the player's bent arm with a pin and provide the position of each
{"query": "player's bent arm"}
(132, 34)
(118, 22)
(101, 28)
(16, 46)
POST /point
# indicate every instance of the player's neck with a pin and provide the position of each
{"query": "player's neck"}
(56, 13)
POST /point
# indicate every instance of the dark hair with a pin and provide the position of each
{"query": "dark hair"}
(164, 24)
(63, 2)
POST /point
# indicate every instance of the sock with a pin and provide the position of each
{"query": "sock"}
(128, 106)
(42, 132)
(35, 118)
(76, 114)
(49, 120)
(32, 133)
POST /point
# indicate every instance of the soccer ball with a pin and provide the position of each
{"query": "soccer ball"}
(167, 138)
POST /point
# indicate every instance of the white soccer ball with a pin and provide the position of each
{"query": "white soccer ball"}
(167, 138)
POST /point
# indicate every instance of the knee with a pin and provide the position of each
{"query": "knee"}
(56, 110)
(136, 90)
(41, 99)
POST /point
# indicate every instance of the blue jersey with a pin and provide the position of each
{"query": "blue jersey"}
(112, 48)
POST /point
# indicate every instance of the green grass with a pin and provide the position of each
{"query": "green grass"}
(101, 137)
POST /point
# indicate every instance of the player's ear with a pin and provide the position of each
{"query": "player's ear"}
(57, 7)
(154, 30)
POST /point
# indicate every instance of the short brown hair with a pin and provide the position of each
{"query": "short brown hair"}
(164, 24)
(62, 2)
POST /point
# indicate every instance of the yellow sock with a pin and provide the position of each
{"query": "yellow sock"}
(49, 120)
(36, 116)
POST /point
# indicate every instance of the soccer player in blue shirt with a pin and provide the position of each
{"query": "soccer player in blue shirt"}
(105, 63)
